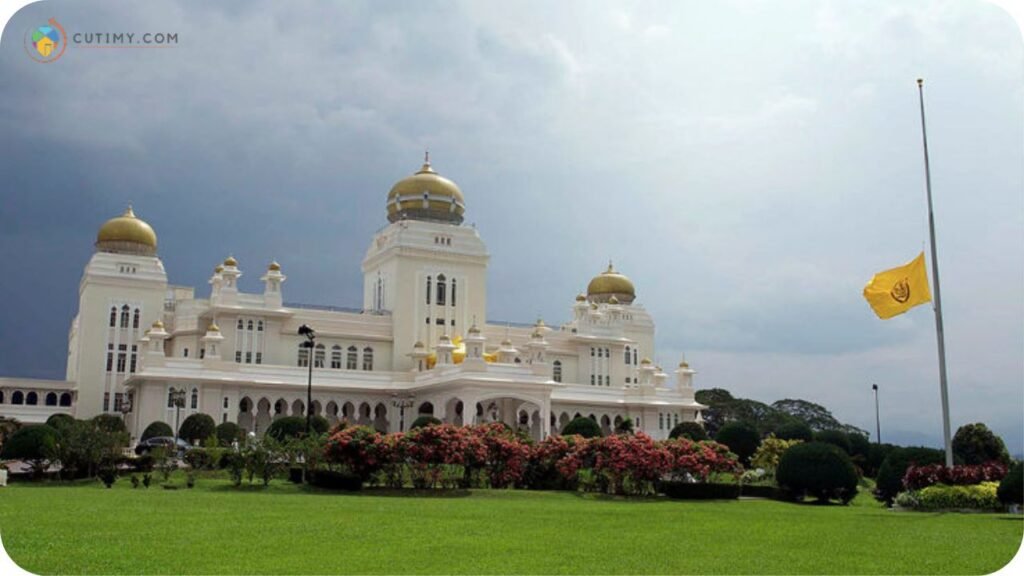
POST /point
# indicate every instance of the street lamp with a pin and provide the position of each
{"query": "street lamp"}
(178, 399)
(401, 403)
(878, 424)
(310, 335)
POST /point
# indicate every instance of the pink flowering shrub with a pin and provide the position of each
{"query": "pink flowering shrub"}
(506, 455)
(359, 449)
(541, 467)
(433, 451)
(918, 477)
(698, 460)
(629, 464)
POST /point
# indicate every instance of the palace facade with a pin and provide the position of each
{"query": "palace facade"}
(419, 344)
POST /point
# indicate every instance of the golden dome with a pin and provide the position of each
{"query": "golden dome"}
(473, 329)
(213, 327)
(418, 344)
(426, 195)
(158, 324)
(645, 361)
(684, 364)
(274, 266)
(613, 300)
(444, 338)
(506, 342)
(127, 234)
(230, 261)
(218, 269)
(610, 283)
(581, 297)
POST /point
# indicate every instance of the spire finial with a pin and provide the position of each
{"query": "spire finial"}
(610, 267)
(426, 156)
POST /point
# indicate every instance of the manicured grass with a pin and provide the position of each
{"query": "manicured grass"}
(216, 529)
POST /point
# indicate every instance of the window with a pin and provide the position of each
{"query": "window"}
(249, 326)
(453, 321)
(259, 326)
(113, 316)
(592, 379)
(259, 357)
(351, 358)
(634, 356)
(367, 358)
(124, 316)
(318, 357)
(51, 399)
(110, 357)
(1, 396)
(122, 357)
(31, 399)
(600, 352)
(428, 289)
(18, 397)
(135, 355)
(439, 321)
(556, 371)
(238, 356)
(170, 398)
(195, 399)
(661, 421)
(336, 357)
(303, 359)
(675, 417)
(241, 324)
(118, 399)
(627, 355)
(248, 357)
(65, 399)
(592, 352)
(184, 352)
(135, 319)
(225, 402)
(106, 401)
(453, 292)
(440, 290)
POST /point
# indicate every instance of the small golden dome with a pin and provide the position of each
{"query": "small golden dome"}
(645, 361)
(537, 334)
(581, 297)
(230, 261)
(127, 234)
(218, 269)
(610, 284)
(158, 324)
(274, 266)
(444, 338)
(506, 342)
(684, 364)
(213, 327)
(418, 344)
(613, 300)
(426, 195)
(473, 329)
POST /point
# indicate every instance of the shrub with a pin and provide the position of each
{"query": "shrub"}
(630, 464)
(770, 452)
(506, 456)
(229, 432)
(975, 497)
(35, 444)
(894, 467)
(918, 477)
(424, 421)
(60, 421)
(976, 444)
(583, 426)
(795, 431)
(359, 449)
(295, 426)
(691, 430)
(334, 480)
(433, 451)
(1011, 489)
(196, 428)
(541, 472)
(699, 491)
(741, 438)
(108, 474)
(626, 426)
(690, 461)
(198, 459)
(859, 445)
(876, 455)
(836, 438)
(819, 470)
(155, 430)
(109, 423)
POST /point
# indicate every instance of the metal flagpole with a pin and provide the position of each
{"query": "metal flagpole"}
(938, 298)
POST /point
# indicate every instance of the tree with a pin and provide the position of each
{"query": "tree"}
(816, 416)
(156, 430)
(717, 413)
(836, 438)
(891, 472)
(288, 427)
(87, 446)
(8, 426)
(819, 470)
(1011, 489)
(33, 444)
(741, 438)
(796, 430)
(109, 423)
(229, 432)
(59, 421)
(625, 426)
(583, 426)
(691, 430)
(197, 427)
(976, 444)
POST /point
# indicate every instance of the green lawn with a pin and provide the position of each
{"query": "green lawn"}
(216, 529)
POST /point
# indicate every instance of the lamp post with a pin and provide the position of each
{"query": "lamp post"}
(401, 403)
(878, 424)
(178, 399)
(125, 408)
(310, 335)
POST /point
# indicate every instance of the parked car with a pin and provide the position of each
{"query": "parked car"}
(165, 442)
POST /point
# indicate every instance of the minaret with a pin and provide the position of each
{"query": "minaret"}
(272, 281)
(647, 371)
(684, 381)
(419, 356)
(229, 287)
(444, 351)
(507, 353)
(155, 337)
(211, 342)
(216, 281)
(475, 346)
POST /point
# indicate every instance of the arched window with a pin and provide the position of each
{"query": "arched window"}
(336, 357)
(1, 396)
(51, 399)
(367, 358)
(18, 397)
(241, 324)
(556, 371)
(249, 326)
(428, 289)
(113, 316)
(453, 292)
(170, 398)
(627, 355)
(31, 399)
(607, 353)
(319, 356)
(135, 319)
(591, 379)
(194, 404)
(440, 290)
(280, 406)
(634, 356)
(184, 352)
(351, 360)
(600, 352)
(125, 310)
(65, 399)
(303, 355)
(259, 326)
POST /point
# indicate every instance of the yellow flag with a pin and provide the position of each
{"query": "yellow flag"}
(895, 291)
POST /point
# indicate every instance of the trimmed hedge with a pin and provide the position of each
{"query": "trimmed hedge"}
(890, 474)
(741, 438)
(942, 497)
(60, 422)
(795, 431)
(109, 423)
(155, 430)
(976, 444)
(295, 426)
(819, 470)
(32, 442)
(423, 422)
(332, 480)
(197, 427)
(1011, 489)
(584, 427)
(228, 432)
(691, 430)
(699, 490)
(836, 438)
(761, 491)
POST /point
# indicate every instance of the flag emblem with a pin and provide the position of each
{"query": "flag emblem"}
(901, 291)
(893, 292)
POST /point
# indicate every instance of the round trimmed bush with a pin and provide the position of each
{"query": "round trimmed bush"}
(32, 442)
(109, 423)
(836, 438)
(197, 428)
(155, 430)
(795, 431)
(741, 438)
(976, 444)
(859, 445)
(60, 422)
(1011, 489)
(876, 455)
(423, 422)
(295, 426)
(228, 432)
(890, 474)
(691, 430)
(584, 427)
(817, 469)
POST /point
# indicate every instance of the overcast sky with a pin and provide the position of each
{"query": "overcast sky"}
(748, 164)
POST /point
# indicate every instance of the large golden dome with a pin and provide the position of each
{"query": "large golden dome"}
(610, 284)
(126, 234)
(426, 195)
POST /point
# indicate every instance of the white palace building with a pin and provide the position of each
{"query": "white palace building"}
(420, 344)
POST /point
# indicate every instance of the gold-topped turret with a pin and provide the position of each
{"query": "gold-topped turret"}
(611, 284)
(426, 195)
(127, 234)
